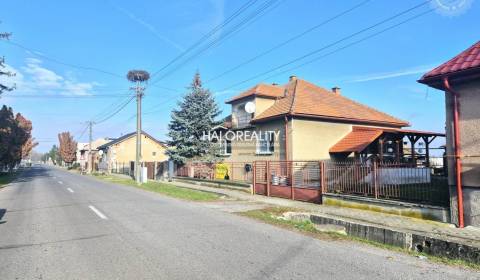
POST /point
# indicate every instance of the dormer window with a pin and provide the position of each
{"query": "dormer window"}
(241, 117)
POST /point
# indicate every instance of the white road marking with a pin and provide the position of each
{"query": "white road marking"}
(70, 190)
(100, 214)
(60, 182)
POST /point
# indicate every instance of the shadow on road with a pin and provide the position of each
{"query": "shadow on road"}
(2, 213)
(30, 173)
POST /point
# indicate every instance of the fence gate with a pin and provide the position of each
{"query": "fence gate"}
(298, 180)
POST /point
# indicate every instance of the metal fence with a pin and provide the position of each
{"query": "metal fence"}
(233, 171)
(308, 180)
(389, 180)
(299, 180)
(125, 168)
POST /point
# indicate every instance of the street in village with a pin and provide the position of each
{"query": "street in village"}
(256, 139)
(61, 225)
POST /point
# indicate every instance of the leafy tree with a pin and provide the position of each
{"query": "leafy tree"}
(53, 155)
(26, 128)
(68, 147)
(196, 114)
(15, 132)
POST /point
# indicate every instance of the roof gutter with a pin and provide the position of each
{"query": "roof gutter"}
(318, 117)
(457, 151)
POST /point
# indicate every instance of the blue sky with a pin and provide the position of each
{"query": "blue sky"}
(116, 36)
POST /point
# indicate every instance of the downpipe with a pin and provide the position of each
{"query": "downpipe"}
(457, 151)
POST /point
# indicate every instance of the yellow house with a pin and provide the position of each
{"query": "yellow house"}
(119, 155)
(308, 122)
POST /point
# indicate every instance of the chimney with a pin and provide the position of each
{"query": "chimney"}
(293, 78)
(336, 90)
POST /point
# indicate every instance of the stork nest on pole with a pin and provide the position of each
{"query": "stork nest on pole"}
(138, 76)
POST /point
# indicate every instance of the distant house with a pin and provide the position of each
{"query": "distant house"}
(83, 150)
(314, 123)
(460, 79)
(119, 154)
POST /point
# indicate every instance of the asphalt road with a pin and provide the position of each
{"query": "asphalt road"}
(59, 225)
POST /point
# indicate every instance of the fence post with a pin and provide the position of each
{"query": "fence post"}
(375, 178)
(268, 178)
(254, 176)
(321, 178)
(292, 194)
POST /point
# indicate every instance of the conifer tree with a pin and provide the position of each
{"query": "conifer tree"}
(195, 115)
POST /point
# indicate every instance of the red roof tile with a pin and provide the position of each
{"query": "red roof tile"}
(265, 90)
(308, 100)
(360, 137)
(356, 141)
(466, 60)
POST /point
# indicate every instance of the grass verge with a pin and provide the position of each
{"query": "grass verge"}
(6, 178)
(163, 188)
(272, 216)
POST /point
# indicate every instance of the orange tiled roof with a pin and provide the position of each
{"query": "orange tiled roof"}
(466, 60)
(356, 141)
(360, 137)
(308, 100)
(265, 90)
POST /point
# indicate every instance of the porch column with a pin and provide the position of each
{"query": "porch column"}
(380, 149)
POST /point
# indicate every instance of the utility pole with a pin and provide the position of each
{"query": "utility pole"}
(90, 158)
(138, 76)
(138, 155)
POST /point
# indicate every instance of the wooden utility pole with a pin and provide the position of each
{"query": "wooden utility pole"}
(90, 157)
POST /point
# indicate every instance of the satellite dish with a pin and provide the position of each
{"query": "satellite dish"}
(250, 107)
(100, 152)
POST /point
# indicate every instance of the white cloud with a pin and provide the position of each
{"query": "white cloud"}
(42, 77)
(394, 74)
(34, 78)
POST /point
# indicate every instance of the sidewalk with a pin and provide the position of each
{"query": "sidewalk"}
(468, 236)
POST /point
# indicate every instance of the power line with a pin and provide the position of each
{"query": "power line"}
(65, 96)
(208, 35)
(111, 107)
(222, 37)
(116, 111)
(291, 39)
(83, 132)
(352, 44)
(37, 53)
(81, 67)
(331, 44)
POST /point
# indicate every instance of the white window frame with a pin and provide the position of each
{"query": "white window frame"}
(270, 147)
(224, 146)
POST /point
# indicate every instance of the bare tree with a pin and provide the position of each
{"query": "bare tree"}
(68, 147)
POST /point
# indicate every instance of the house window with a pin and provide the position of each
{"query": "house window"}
(265, 145)
(226, 147)
(154, 153)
